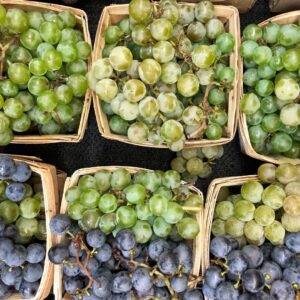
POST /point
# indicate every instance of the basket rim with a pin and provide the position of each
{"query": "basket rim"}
(101, 118)
(77, 136)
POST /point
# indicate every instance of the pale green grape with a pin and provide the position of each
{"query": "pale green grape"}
(264, 215)
(234, 227)
(224, 210)
(275, 233)
(244, 210)
(252, 191)
(253, 232)
(273, 196)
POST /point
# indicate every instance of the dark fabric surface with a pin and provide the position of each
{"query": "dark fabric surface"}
(94, 150)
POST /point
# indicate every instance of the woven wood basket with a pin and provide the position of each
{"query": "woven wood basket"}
(47, 175)
(245, 142)
(58, 290)
(82, 23)
(211, 199)
(229, 15)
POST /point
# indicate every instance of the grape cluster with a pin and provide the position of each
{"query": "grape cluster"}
(21, 201)
(147, 202)
(115, 267)
(196, 162)
(43, 72)
(260, 212)
(251, 272)
(164, 75)
(271, 83)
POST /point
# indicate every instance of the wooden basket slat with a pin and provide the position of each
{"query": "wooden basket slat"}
(73, 180)
(245, 142)
(113, 14)
(82, 22)
(47, 174)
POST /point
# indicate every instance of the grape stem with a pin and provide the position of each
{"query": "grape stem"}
(3, 49)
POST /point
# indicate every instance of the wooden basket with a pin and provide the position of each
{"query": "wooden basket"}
(82, 23)
(228, 14)
(47, 175)
(245, 142)
(73, 180)
(211, 199)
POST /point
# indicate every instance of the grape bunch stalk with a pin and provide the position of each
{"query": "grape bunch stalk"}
(164, 75)
(43, 66)
(96, 265)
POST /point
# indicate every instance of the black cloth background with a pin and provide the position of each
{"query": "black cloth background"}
(94, 150)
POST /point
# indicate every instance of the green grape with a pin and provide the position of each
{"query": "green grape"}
(107, 223)
(264, 215)
(134, 90)
(47, 101)
(62, 114)
(126, 217)
(167, 102)
(8, 88)
(252, 32)
(291, 59)
(255, 119)
(275, 233)
(118, 125)
(53, 59)
(214, 28)
(163, 52)
(262, 55)
(192, 115)
(13, 108)
(174, 213)
(106, 89)
(251, 77)
(79, 85)
(253, 232)
(125, 25)
(291, 205)
(247, 49)
(37, 85)
(188, 228)
(189, 153)
(264, 87)
(268, 105)
(216, 96)
(161, 228)
(78, 66)
(204, 11)
(50, 32)
(224, 210)
(281, 142)
(158, 205)
(250, 103)
(89, 198)
(138, 132)
(120, 58)
(68, 18)
(223, 194)
(203, 56)
(266, 172)
(37, 66)
(252, 191)
(68, 51)
(292, 188)
(286, 173)
(151, 180)
(102, 68)
(135, 193)
(234, 227)
(35, 19)
(9, 211)
(287, 89)
(31, 39)
(27, 227)
(273, 196)
(21, 124)
(72, 194)
(290, 223)
(193, 201)
(84, 50)
(26, 99)
(112, 34)
(16, 20)
(29, 208)
(171, 179)
(87, 182)
(244, 210)
(219, 117)
(178, 164)
(64, 94)
(266, 72)
(2, 14)
(161, 29)
(149, 71)
(196, 31)
(270, 33)
(76, 106)
(225, 42)
(107, 203)
(142, 231)
(257, 134)
(76, 210)
(140, 10)
(90, 219)
(68, 34)
(143, 212)
(171, 130)
(41, 233)
(128, 111)
(213, 131)
(289, 35)
(194, 166)
(120, 178)
(18, 73)
(218, 228)
(164, 191)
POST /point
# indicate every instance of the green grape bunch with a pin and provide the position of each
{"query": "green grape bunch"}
(147, 202)
(263, 210)
(194, 163)
(271, 88)
(44, 62)
(164, 74)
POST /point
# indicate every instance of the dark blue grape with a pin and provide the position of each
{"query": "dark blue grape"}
(71, 268)
(147, 295)
(7, 167)
(208, 292)
(15, 191)
(58, 254)
(5, 291)
(90, 296)
(121, 282)
(282, 256)
(185, 257)
(123, 296)
(10, 276)
(159, 282)
(74, 228)
(59, 224)
(253, 280)
(10, 231)
(179, 283)
(28, 289)
(125, 239)
(220, 247)
(95, 238)
(162, 293)
(292, 241)
(101, 286)
(6, 247)
(253, 255)
(192, 295)
(92, 266)
(72, 284)
(271, 271)
(237, 262)
(157, 247)
(104, 253)
(22, 173)
(226, 291)
(141, 280)
(110, 264)
(32, 272)
(74, 250)
(233, 242)
(35, 253)
(262, 295)
(292, 276)
(17, 256)
(168, 263)
(213, 276)
(266, 249)
(133, 253)
(282, 290)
